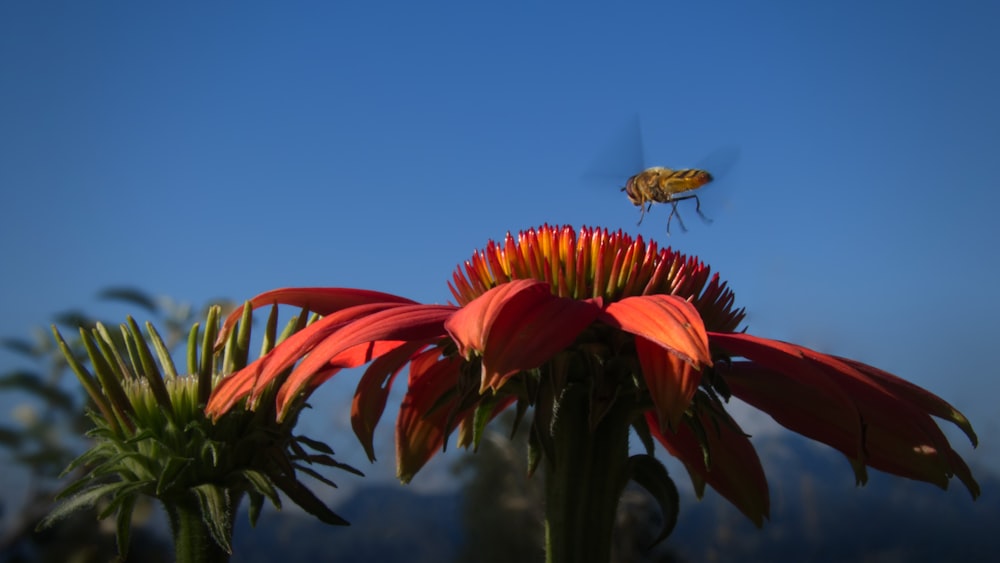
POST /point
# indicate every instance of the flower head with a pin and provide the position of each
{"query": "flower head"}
(631, 325)
(151, 436)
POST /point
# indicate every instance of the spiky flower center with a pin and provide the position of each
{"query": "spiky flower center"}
(596, 263)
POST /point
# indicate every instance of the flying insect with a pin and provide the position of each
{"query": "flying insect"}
(664, 185)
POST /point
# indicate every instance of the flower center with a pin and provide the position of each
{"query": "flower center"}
(596, 263)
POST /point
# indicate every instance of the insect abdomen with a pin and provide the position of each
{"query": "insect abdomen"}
(679, 181)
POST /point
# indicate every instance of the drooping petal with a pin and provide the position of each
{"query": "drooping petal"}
(671, 381)
(373, 392)
(785, 358)
(666, 320)
(927, 401)
(934, 406)
(393, 325)
(897, 438)
(322, 300)
(252, 379)
(518, 326)
(424, 415)
(868, 415)
(734, 469)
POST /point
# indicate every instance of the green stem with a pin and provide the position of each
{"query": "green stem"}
(585, 480)
(193, 541)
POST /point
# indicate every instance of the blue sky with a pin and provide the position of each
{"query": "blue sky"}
(205, 151)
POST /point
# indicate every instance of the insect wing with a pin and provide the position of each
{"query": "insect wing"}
(720, 162)
(717, 198)
(620, 158)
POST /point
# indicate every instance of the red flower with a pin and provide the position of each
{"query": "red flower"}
(633, 323)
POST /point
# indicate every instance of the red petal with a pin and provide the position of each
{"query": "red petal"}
(322, 300)
(735, 470)
(934, 406)
(383, 329)
(927, 401)
(230, 391)
(257, 375)
(424, 417)
(667, 320)
(469, 327)
(373, 392)
(873, 418)
(517, 326)
(671, 381)
(786, 358)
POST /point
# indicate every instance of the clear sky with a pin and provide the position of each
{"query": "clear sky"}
(220, 150)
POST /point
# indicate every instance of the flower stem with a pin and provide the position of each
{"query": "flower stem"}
(585, 480)
(193, 542)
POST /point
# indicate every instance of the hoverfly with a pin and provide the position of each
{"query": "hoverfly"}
(662, 185)
(659, 184)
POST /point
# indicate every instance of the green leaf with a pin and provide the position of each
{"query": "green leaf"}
(162, 353)
(534, 451)
(649, 473)
(205, 367)
(521, 409)
(315, 475)
(143, 434)
(171, 473)
(481, 416)
(696, 426)
(80, 486)
(108, 378)
(79, 501)
(305, 498)
(239, 342)
(149, 368)
(262, 485)
(122, 496)
(114, 340)
(139, 467)
(271, 337)
(642, 429)
(256, 504)
(329, 462)
(98, 454)
(192, 349)
(295, 324)
(124, 526)
(315, 444)
(541, 427)
(111, 348)
(89, 382)
(214, 503)
(210, 452)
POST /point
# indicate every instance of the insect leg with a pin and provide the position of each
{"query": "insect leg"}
(697, 201)
(642, 211)
(697, 207)
(673, 212)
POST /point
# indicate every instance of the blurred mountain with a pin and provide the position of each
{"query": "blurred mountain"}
(817, 515)
(388, 523)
